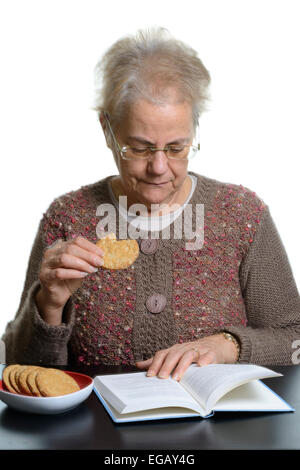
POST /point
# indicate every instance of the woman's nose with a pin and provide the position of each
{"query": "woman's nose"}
(158, 162)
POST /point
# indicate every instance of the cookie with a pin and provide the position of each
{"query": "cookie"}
(55, 382)
(6, 377)
(22, 380)
(118, 254)
(14, 375)
(30, 381)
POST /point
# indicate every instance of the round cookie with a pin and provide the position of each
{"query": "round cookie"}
(118, 254)
(22, 380)
(31, 383)
(13, 377)
(55, 382)
(6, 377)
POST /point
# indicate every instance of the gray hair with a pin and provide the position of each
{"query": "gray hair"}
(147, 65)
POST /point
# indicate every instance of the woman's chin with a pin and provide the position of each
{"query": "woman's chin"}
(155, 197)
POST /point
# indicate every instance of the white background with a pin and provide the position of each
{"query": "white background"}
(50, 139)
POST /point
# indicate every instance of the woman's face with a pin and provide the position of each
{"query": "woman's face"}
(157, 180)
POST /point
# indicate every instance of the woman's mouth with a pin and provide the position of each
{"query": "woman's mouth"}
(163, 183)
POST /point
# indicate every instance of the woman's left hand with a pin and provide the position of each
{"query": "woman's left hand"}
(209, 350)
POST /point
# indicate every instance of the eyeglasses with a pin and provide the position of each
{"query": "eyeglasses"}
(173, 151)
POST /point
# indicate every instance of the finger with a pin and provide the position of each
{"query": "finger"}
(64, 260)
(87, 245)
(170, 361)
(88, 256)
(78, 241)
(156, 364)
(61, 274)
(144, 364)
(79, 247)
(185, 361)
(207, 358)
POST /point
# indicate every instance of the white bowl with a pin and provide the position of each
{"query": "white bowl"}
(49, 405)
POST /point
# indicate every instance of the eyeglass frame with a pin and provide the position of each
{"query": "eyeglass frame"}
(153, 150)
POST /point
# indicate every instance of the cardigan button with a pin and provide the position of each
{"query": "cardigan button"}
(156, 303)
(149, 246)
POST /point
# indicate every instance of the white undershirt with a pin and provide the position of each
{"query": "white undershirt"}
(152, 223)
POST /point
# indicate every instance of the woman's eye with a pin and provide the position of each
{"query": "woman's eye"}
(177, 149)
(140, 150)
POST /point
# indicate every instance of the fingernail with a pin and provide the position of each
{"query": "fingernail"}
(99, 262)
(150, 373)
(84, 274)
(176, 377)
(162, 375)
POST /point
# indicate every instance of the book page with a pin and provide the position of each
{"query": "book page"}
(252, 396)
(134, 392)
(145, 415)
(208, 384)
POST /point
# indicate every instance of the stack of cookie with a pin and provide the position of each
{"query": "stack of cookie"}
(38, 381)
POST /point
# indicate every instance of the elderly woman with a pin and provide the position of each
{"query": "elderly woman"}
(230, 298)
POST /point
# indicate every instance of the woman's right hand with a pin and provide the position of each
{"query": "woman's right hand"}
(63, 268)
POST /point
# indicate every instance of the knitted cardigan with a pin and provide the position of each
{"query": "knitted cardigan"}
(239, 281)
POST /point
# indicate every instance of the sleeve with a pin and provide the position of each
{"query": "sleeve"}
(271, 299)
(28, 339)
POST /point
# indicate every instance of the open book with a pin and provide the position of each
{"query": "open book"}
(201, 391)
